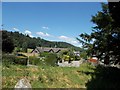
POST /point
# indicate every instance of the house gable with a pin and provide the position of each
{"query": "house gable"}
(46, 49)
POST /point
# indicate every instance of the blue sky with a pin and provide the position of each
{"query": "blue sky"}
(60, 21)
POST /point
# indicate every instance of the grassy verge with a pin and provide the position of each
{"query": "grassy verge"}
(47, 76)
(86, 76)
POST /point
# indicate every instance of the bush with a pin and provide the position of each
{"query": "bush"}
(77, 57)
(66, 57)
(34, 60)
(44, 59)
(8, 59)
(51, 59)
(44, 54)
(21, 60)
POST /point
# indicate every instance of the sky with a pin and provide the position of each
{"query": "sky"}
(53, 21)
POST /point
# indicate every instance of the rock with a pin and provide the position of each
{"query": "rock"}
(23, 84)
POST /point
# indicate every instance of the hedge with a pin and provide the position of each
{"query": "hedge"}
(8, 59)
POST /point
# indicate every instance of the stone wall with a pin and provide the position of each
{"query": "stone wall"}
(71, 64)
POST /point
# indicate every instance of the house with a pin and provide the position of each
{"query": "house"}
(39, 50)
(77, 53)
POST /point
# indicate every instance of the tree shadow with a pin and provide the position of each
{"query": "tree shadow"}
(104, 78)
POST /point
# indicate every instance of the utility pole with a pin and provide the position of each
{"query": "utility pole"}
(28, 58)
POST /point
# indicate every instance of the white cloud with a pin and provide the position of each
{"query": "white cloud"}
(28, 32)
(16, 29)
(43, 34)
(69, 40)
(63, 38)
(74, 42)
(45, 27)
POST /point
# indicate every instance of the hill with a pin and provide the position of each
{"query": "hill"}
(21, 40)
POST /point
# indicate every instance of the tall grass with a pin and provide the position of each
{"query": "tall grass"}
(46, 76)
(43, 76)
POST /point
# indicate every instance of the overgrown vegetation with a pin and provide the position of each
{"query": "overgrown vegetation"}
(44, 59)
(68, 55)
(8, 60)
(86, 76)
(46, 76)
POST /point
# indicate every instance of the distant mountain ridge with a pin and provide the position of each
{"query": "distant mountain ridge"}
(31, 42)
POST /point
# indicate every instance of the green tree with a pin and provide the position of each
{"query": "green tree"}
(7, 42)
(83, 55)
(104, 39)
(24, 47)
(114, 8)
(32, 42)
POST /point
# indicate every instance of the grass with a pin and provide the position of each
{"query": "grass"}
(47, 76)
(86, 76)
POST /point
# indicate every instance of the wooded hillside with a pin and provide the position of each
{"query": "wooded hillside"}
(20, 40)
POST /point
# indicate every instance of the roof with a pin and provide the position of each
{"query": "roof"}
(47, 49)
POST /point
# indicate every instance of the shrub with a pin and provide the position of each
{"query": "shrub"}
(34, 60)
(8, 59)
(44, 54)
(44, 59)
(21, 60)
(77, 57)
(51, 59)
(66, 57)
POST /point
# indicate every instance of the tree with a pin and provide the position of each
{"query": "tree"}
(83, 55)
(32, 42)
(24, 47)
(7, 42)
(114, 8)
(104, 41)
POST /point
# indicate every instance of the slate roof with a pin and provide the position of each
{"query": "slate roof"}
(47, 49)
